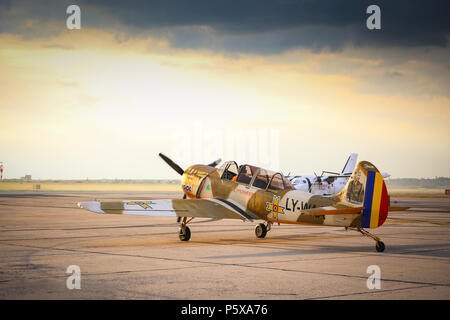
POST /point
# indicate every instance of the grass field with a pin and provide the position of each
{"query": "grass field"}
(88, 186)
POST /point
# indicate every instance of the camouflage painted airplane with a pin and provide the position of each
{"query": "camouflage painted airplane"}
(252, 193)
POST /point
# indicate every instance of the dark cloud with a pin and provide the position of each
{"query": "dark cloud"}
(305, 23)
(256, 26)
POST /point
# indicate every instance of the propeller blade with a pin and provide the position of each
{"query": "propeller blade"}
(172, 164)
(318, 179)
(215, 163)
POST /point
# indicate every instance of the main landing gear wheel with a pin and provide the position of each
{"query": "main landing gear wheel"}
(380, 246)
(185, 232)
(184, 235)
(261, 230)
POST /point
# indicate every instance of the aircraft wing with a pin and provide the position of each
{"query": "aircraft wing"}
(199, 208)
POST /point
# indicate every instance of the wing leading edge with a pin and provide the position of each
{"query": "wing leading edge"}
(198, 208)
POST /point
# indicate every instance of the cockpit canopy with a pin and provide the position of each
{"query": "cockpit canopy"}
(254, 176)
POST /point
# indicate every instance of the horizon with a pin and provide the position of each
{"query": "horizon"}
(87, 179)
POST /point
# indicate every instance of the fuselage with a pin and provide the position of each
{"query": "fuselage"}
(287, 205)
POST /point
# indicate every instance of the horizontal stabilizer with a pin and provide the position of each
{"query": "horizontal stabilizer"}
(315, 212)
(398, 208)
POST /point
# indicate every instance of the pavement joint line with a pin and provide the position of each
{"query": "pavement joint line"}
(86, 274)
(442, 259)
(116, 236)
(361, 277)
(357, 255)
(231, 264)
(308, 236)
(369, 292)
(399, 254)
(418, 251)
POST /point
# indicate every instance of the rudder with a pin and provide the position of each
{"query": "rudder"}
(367, 188)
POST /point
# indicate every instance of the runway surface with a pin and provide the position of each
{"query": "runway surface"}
(136, 257)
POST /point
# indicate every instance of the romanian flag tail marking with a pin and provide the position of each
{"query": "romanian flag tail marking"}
(376, 202)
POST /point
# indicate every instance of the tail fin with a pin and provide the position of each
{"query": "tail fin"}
(350, 164)
(366, 188)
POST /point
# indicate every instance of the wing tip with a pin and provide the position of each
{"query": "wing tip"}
(93, 206)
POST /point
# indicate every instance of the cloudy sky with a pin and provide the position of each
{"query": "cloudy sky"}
(292, 85)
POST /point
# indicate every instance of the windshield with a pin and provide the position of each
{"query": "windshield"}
(228, 171)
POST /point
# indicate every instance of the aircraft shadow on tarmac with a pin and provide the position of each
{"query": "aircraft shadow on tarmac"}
(433, 250)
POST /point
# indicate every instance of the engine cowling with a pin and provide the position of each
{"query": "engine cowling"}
(193, 180)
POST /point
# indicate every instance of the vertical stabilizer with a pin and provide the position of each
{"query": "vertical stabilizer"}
(350, 164)
(366, 188)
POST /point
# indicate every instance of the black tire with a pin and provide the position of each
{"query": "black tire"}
(380, 246)
(260, 231)
(186, 235)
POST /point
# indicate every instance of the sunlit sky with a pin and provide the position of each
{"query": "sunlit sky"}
(103, 101)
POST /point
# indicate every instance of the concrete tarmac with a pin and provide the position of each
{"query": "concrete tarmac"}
(137, 257)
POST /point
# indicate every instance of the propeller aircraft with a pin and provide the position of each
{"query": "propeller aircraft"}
(327, 185)
(251, 193)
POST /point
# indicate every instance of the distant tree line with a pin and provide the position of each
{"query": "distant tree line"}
(438, 182)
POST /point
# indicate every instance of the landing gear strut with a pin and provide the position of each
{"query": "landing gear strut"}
(379, 245)
(185, 233)
(262, 229)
